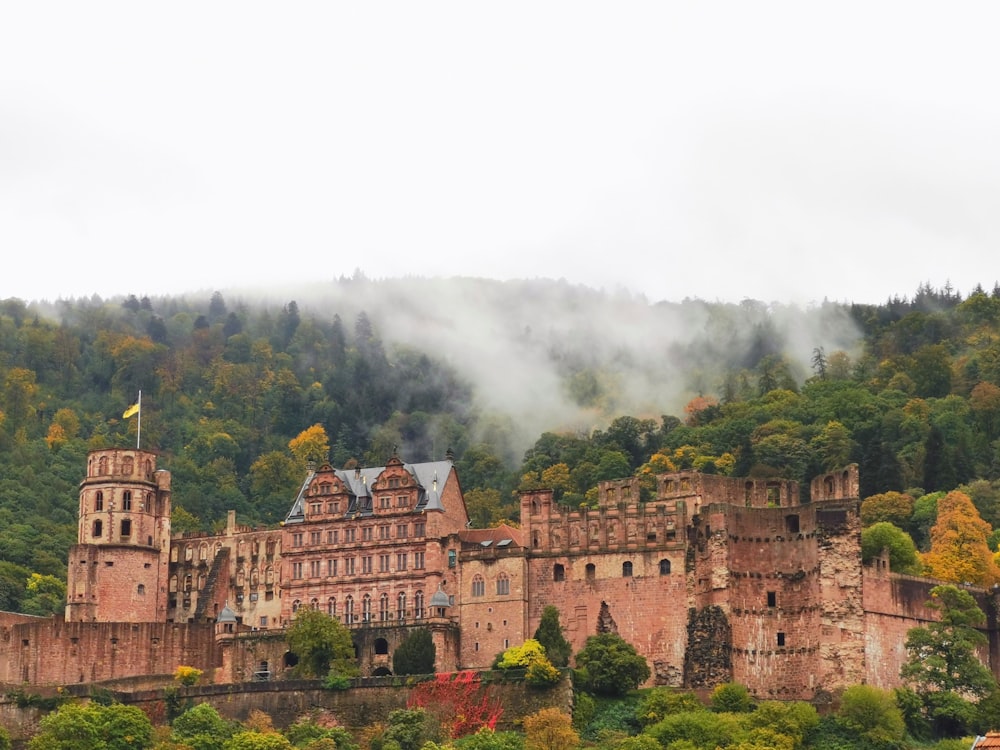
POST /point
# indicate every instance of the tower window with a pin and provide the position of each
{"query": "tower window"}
(627, 569)
(558, 572)
(98, 529)
(590, 572)
(792, 524)
(99, 501)
(126, 527)
(664, 567)
(141, 589)
(772, 598)
(127, 500)
(781, 639)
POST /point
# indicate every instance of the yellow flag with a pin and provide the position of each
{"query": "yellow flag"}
(133, 409)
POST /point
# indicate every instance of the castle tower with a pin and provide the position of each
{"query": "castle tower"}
(118, 569)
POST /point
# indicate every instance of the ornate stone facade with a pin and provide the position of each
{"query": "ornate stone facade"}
(715, 579)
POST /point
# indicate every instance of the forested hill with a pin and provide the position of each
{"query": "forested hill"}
(527, 383)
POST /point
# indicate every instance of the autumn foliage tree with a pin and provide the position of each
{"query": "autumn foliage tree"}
(894, 507)
(959, 551)
(460, 702)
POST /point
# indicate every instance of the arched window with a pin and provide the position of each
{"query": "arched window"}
(173, 584)
(295, 606)
(349, 609)
(627, 569)
(366, 608)
(140, 589)
(331, 606)
(254, 577)
(314, 604)
(664, 567)
(187, 582)
(590, 572)
(201, 581)
(401, 606)
(98, 528)
(478, 585)
(503, 584)
(381, 646)
(418, 604)
(383, 607)
(127, 465)
(558, 572)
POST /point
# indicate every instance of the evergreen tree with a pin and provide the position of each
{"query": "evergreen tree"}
(550, 634)
(416, 654)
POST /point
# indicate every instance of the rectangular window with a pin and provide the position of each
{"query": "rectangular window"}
(366, 534)
(297, 539)
(402, 530)
(781, 639)
(349, 534)
(263, 621)
(349, 566)
(384, 501)
(297, 570)
(452, 558)
(401, 561)
(772, 599)
(419, 529)
(315, 537)
(402, 501)
(418, 560)
(383, 563)
(331, 567)
(315, 568)
(383, 532)
(366, 564)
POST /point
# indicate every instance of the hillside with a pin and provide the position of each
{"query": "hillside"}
(526, 382)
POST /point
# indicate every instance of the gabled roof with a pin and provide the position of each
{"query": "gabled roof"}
(991, 740)
(500, 536)
(431, 477)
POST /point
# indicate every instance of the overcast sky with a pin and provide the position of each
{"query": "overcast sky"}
(717, 150)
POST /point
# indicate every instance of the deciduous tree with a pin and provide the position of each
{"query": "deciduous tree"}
(610, 665)
(322, 644)
(959, 552)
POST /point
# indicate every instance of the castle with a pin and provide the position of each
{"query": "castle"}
(716, 579)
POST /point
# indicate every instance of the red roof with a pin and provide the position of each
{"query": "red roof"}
(992, 739)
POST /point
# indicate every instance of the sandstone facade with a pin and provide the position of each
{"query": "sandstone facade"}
(715, 579)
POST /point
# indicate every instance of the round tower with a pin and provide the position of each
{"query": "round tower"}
(118, 569)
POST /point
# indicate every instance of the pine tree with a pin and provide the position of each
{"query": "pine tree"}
(416, 654)
(550, 635)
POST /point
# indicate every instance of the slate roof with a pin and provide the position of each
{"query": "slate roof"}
(430, 477)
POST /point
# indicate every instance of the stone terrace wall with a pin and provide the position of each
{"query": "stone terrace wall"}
(894, 604)
(55, 652)
(284, 701)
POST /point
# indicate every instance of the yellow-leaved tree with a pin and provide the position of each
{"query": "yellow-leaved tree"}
(959, 552)
(312, 444)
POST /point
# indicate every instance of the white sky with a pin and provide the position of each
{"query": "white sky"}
(718, 150)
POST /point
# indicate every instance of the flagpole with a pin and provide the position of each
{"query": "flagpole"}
(138, 426)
